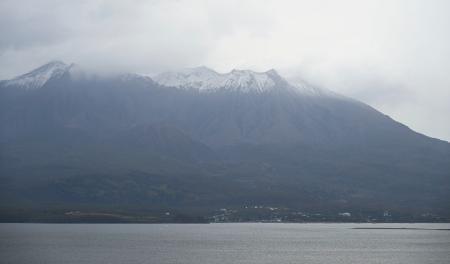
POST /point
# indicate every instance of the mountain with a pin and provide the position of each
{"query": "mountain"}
(38, 77)
(197, 140)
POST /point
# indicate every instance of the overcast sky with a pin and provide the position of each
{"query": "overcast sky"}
(393, 55)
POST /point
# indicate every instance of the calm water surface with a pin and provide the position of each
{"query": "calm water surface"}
(222, 243)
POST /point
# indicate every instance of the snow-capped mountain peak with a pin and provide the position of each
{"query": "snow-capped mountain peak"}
(38, 77)
(201, 79)
(205, 79)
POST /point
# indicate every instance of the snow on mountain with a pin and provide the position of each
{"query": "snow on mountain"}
(205, 79)
(306, 88)
(38, 77)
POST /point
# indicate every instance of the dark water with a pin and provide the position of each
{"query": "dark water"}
(222, 243)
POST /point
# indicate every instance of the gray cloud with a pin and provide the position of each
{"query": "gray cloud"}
(394, 55)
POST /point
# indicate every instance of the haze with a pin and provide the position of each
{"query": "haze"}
(393, 55)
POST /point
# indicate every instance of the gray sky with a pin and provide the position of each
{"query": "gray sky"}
(393, 54)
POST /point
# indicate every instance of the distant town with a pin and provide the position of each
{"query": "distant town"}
(247, 213)
(260, 213)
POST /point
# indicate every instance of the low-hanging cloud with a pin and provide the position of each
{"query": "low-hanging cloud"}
(393, 55)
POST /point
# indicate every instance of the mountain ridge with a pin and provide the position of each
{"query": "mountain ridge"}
(201, 78)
